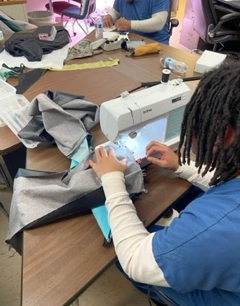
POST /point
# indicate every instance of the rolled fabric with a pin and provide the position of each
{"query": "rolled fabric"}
(147, 49)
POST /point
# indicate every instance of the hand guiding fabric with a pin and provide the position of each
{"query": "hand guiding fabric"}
(107, 162)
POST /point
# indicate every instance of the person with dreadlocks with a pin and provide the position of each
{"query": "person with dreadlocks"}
(195, 260)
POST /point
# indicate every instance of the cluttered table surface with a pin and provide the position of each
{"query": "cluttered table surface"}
(61, 259)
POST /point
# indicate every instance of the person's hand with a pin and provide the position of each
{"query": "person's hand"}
(108, 21)
(107, 162)
(123, 24)
(168, 159)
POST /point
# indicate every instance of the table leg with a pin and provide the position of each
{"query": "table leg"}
(11, 162)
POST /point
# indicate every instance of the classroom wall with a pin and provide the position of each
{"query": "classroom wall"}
(36, 5)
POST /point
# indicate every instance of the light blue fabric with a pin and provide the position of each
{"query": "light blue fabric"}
(144, 9)
(101, 215)
(80, 153)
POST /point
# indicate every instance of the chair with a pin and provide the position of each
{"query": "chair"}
(59, 6)
(172, 22)
(215, 30)
(77, 13)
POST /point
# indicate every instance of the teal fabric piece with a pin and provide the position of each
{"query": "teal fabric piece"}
(80, 153)
(6, 73)
(101, 215)
(10, 24)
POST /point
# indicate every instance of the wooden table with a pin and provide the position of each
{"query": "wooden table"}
(132, 71)
(96, 86)
(62, 259)
(146, 68)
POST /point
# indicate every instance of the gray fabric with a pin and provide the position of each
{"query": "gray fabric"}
(55, 111)
(35, 196)
(84, 48)
(112, 45)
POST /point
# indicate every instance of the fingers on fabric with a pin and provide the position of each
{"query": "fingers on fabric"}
(155, 147)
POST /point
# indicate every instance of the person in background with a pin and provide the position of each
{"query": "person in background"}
(148, 18)
(194, 260)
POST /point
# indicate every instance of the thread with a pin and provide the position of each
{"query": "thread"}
(165, 75)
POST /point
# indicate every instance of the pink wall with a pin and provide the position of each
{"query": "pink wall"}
(35, 5)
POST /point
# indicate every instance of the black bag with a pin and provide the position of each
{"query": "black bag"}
(30, 46)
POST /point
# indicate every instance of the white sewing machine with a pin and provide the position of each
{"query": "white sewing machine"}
(155, 113)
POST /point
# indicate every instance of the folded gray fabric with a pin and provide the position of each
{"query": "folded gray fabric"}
(43, 197)
(112, 45)
(62, 118)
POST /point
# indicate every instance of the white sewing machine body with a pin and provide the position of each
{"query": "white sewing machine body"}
(155, 113)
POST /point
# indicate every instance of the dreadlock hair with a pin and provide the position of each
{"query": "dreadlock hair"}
(213, 107)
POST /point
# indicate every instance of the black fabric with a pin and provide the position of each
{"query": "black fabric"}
(26, 80)
(30, 46)
(35, 131)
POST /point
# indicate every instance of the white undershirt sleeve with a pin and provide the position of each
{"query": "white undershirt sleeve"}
(133, 243)
(190, 173)
(153, 24)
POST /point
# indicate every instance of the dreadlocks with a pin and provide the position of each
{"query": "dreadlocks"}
(213, 107)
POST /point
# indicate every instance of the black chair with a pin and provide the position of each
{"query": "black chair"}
(172, 22)
(218, 32)
(80, 13)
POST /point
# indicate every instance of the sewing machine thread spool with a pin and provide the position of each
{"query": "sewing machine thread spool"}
(165, 75)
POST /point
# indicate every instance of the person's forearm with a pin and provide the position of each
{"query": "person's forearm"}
(153, 24)
(114, 14)
(133, 243)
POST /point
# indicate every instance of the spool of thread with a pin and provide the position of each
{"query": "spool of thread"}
(165, 75)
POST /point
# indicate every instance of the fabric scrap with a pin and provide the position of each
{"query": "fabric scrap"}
(51, 110)
(151, 48)
(6, 73)
(100, 64)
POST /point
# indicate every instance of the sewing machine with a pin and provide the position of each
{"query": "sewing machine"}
(155, 113)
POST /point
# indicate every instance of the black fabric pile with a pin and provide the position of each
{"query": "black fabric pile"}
(30, 46)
